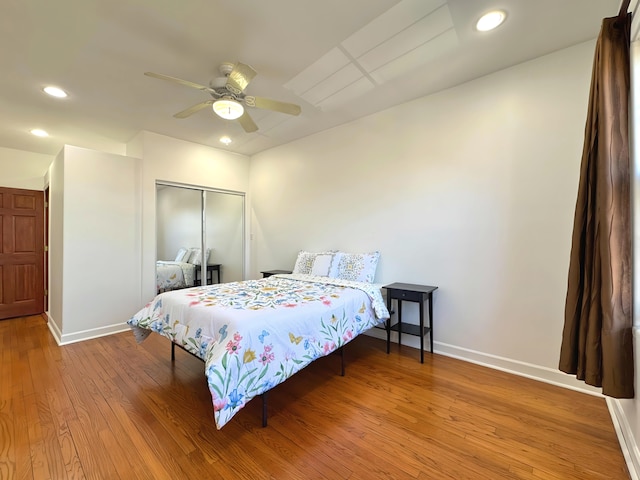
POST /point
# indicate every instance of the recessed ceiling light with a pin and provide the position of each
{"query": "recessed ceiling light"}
(39, 132)
(490, 20)
(55, 92)
(226, 140)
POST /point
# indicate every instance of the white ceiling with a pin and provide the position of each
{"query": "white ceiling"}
(338, 59)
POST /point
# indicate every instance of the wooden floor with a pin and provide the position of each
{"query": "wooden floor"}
(111, 409)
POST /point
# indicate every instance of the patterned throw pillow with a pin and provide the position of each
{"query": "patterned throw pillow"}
(358, 267)
(304, 262)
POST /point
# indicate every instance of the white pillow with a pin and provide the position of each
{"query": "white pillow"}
(188, 258)
(304, 262)
(322, 264)
(196, 256)
(359, 267)
(182, 255)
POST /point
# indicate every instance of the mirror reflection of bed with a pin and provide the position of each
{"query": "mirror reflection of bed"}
(199, 236)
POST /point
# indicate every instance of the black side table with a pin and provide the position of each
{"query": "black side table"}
(411, 293)
(210, 269)
(268, 273)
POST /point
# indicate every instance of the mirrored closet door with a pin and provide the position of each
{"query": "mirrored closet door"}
(224, 232)
(200, 236)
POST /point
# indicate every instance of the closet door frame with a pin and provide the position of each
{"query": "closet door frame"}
(203, 221)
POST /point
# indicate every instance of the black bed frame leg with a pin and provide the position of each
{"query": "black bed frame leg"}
(342, 361)
(264, 409)
(173, 352)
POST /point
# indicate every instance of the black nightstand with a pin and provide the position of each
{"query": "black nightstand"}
(411, 293)
(268, 273)
(210, 270)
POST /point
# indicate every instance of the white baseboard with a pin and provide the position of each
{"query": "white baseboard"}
(626, 437)
(67, 338)
(516, 367)
(624, 430)
(53, 328)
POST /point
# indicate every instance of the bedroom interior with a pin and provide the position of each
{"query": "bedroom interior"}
(470, 186)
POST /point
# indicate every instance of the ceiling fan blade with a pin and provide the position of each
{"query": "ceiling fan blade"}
(191, 110)
(275, 105)
(239, 78)
(247, 123)
(178, 80)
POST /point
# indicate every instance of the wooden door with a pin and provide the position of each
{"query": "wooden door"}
(21, 252)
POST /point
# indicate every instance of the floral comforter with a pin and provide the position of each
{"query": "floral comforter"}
(255, 334)
(174, 275)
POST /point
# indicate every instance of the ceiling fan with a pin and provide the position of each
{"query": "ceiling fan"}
(228, 96)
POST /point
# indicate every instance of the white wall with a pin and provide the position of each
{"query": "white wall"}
(20, 169)
(95, 243)
(472, 189)
(172, 160)
(56, 245)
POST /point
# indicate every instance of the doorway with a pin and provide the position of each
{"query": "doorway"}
(21, 252)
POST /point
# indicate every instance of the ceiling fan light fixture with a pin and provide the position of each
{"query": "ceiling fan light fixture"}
(228, 109)
(491, 20)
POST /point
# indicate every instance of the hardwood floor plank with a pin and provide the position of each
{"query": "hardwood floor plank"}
(119, 456)
(20, 439)
(110, 408)
(302, 448)
(38, 451)
(52, 451)
(110, 416)
(7, 440)
(8, 434)
(95, 462)
(142, 447)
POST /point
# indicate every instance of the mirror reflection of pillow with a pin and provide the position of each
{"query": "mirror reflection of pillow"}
(182, 256)
(190, 255)
(196, 256)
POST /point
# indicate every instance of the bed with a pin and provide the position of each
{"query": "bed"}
(181, 272)
(172, 275)
(253, 335)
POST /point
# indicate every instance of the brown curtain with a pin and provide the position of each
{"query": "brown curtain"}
(597, 338)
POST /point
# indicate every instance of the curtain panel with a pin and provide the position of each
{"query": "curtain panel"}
(597, 343)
